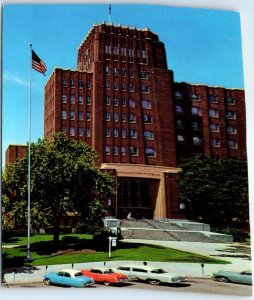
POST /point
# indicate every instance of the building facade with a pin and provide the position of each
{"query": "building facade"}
(123, 101)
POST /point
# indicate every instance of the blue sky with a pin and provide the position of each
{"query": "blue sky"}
(203, 46)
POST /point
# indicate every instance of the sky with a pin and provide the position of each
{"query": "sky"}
(202, 46)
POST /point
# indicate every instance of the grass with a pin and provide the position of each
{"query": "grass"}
(71, 251)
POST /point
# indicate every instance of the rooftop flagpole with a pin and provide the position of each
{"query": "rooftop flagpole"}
(109, 10)
(28, 256)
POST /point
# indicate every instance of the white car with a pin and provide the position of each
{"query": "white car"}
(153, 275)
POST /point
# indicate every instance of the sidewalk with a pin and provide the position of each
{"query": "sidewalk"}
(237, 254)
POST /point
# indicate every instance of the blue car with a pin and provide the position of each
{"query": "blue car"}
(68, 277)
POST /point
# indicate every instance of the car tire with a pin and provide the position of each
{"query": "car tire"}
(154, 281)
(47, 281)
(106, 283)
(223, 279)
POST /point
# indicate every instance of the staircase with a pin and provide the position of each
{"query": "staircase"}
(170, 230)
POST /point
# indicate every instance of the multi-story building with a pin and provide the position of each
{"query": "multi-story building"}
(122, 100)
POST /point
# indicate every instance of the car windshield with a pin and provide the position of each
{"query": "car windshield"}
(159, 271)
(109, 271)
(78, 274)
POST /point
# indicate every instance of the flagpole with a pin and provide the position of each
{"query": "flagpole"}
(109, 17)
(28, 257)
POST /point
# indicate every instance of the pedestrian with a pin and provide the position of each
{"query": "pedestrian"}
(145, 263)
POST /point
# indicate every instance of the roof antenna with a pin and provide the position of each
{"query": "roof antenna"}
(109, 10)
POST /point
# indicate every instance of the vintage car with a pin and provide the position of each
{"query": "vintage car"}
(68, 277)
(105, 275)
(244, 277)
(152, 275)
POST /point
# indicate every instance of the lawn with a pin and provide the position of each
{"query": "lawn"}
(77, 248)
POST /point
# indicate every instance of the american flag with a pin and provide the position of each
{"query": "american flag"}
(38, 64)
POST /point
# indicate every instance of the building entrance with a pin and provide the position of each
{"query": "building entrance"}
(138, 196)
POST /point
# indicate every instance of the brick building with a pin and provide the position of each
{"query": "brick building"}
(123, 101)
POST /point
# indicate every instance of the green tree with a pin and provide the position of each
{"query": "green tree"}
(64, 177)
(215, 191)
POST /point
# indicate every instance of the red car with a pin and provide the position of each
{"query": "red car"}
(104, 275)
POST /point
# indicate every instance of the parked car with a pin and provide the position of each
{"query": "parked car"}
(152, 275)
(105, 275)
(244, 277)
(68, 277)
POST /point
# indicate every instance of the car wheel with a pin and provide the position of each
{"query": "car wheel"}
(154, 281)
(47, 281)
(223, 279)
(106, 283)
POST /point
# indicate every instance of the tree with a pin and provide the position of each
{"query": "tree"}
(64, 177)
(215, 191)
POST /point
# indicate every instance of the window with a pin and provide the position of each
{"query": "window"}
(115, 86)
(123, 133)
(196, 125)
(179, 109)
(115, 72)
(107, 85)
(123, 72)
(107, 70)
(133, 151)
(88, 132)
(178, 94)
(115, 117)
(88, 116)
(107, 150)
(88, 100)
(107, 116)
(80, 99)
(148, 135)
(123, 86)
(232, 144)
(133, 134)
(197, 141)
(179, 123)
(180, 138)
(63, 128)
(64, 82)
(88, 84)
(194, 97)
(131, 87)
(214, 127)
(63, 114)
(123, 150)
(196, 111)
(72, 99)
(213, 113)
(80, 115)
(107, 100)
(147, 119)
(230, 114)
(212, 98)
(231, 129)
(215, 143)
(144, 88)
(131, 103)
(146, 104)
(131, 73)
(115, 132)
(80, 84)
(115, 150)
(107, 133)
(150, 152)
(64, 98)
(143, 74)
(72, 114)
(123, 117)
(123, 101)
(80, 131)
(72, 131)
(123, 268)
(72, 82)
(115, 101)
(132, 118)
(230, 101)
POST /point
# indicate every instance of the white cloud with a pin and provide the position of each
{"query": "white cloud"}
(14, 79)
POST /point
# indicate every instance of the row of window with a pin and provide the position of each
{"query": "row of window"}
(114, 50)
(146, 104)
(148, 135)
(143, 74)
(211, 98)
(198, 141)
(73, 99)
(213, 127)
(131, 118)
(72, 115)
(131, 88)
(72, 83)
(80, 131)
(213, 113)
(150, 152)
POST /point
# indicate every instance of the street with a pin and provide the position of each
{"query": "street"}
(192, 285)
